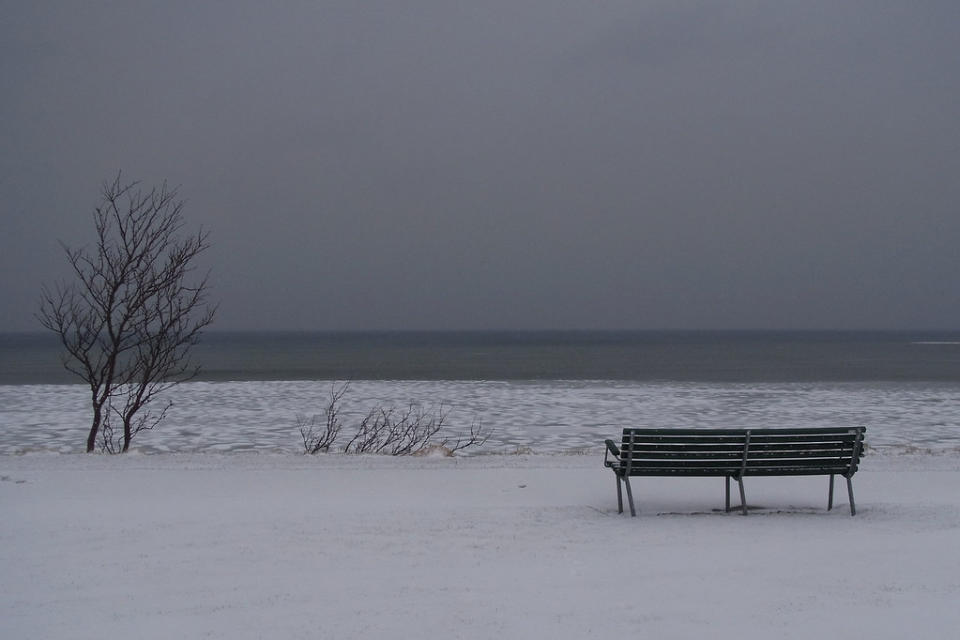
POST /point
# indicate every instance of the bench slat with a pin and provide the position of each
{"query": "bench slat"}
(687, 463)
(795, 471)
(756, 450)
(806, 446)
(823, 454)
(847, 439)
(759, 459)
(760, 439)
(702, 439)
(660, 446)
(684, 455)
(807, 430)
(740, 432)
(682, 432)
(698, 473)
(797, 461)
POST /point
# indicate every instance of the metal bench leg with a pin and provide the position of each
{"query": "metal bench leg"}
(743, 498)
(626, 481)
(853, 506)
(727, 503)
(830, 499)
(619, 493)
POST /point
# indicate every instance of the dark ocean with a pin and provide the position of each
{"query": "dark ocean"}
(681, 356)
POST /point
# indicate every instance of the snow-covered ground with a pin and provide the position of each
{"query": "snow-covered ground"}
(269, 545)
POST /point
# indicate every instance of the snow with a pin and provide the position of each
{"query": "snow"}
(271, 545)
(555, 416)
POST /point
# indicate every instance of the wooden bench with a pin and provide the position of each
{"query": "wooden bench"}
(736, 454)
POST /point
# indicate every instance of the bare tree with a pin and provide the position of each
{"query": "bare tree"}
(134, 308)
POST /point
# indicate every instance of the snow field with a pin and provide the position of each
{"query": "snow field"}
(285, 546)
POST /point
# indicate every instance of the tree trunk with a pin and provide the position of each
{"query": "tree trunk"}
(127, 435)
(94, 429)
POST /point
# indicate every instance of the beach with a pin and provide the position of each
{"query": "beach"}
(216, 525)
(272, 545)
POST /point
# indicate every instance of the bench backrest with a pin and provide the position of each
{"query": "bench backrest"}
(715, 452)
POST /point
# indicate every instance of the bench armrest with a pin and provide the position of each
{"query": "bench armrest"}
(611, 448)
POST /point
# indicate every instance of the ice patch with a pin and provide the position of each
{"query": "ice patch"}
(535, 416)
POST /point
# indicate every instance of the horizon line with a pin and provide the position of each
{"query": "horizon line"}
(557, 330)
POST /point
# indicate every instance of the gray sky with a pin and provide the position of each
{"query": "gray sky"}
(435, 164)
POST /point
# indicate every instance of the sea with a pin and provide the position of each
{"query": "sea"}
(551, 392)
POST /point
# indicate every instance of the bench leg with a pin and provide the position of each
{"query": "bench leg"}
(619, 494)
(626, 481)
(853, 506)
(743, 498)
(830, 498)
(727, 502)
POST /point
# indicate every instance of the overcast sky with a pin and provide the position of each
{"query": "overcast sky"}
(436, 164)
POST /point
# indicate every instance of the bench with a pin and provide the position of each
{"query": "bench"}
(735, 454)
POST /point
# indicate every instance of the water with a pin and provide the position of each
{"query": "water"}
(547, 391)
(688, 356)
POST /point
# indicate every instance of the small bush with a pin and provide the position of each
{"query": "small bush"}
(415, 430)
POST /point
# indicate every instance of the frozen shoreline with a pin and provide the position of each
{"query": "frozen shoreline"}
(544, 416)
(248, 545)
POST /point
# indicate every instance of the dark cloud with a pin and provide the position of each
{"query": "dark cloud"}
(504, 164)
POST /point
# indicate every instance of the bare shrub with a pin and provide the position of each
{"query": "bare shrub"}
(394, 432)
(414, 430)
(476, 437)
(319, 435)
